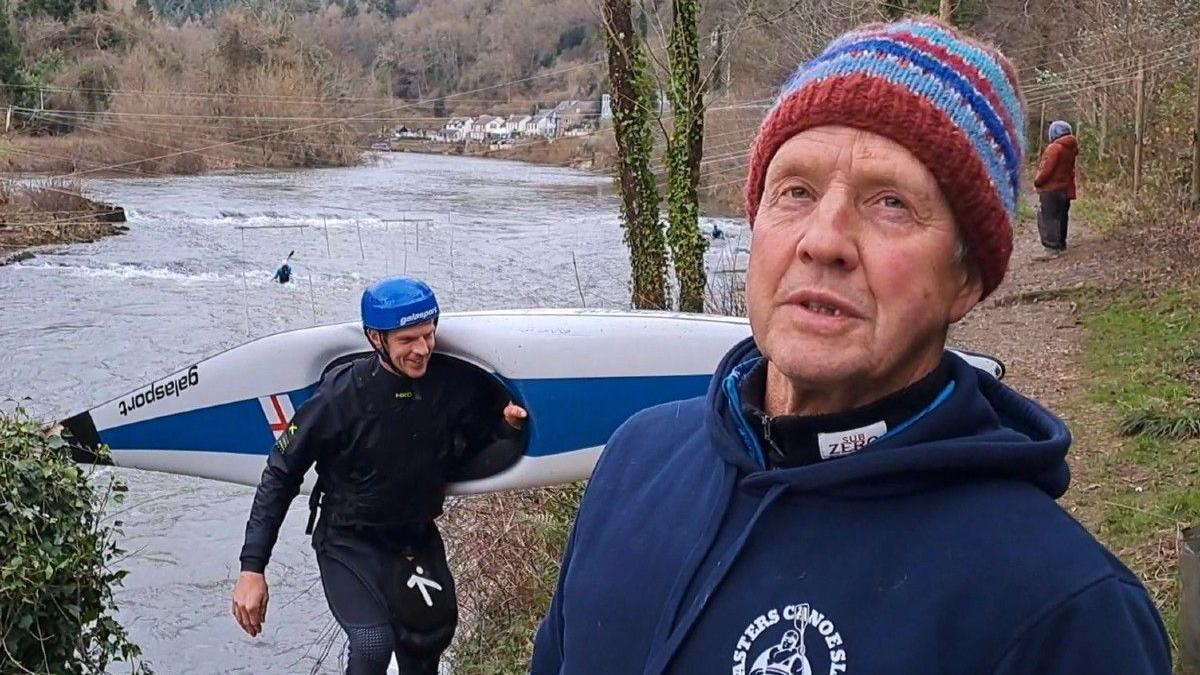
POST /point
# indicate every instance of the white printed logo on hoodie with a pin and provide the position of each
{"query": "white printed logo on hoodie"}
(794, 640)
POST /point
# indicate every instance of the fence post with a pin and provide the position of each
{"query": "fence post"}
(1196, 139)
(1139, 113)
(1103, 123)
(1189, 601)
(1041, 129)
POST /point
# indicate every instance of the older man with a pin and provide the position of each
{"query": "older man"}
(848, 490)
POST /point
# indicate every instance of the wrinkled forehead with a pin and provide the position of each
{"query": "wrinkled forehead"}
(854, 154)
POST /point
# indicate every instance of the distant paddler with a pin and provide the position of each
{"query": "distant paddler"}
(284, 273)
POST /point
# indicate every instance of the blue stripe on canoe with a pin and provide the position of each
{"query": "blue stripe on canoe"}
(567, 414)
(239, 427)
(570, 414)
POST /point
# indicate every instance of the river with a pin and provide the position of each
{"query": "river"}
(81, 324)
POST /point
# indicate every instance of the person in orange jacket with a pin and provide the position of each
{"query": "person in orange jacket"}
(1055, 184)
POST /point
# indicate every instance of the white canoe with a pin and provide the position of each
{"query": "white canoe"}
(580, 373)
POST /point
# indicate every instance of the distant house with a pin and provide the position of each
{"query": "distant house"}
(515, 125)
(544, 123)
(559, 113)
(497, 127)
(578, 115)
(568, 116)
(457, 129)
(479, 128)
(404, 131)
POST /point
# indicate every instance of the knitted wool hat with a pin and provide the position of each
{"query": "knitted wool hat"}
(953, 103)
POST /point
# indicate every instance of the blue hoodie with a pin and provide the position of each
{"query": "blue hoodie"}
(937, 549)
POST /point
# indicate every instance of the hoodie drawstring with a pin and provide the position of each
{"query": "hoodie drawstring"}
(660, 658)
(691, 564)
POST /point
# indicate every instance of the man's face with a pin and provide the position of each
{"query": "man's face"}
(853, 279)
(409, 348)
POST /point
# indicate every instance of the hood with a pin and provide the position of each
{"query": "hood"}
(981, 428)
(1068, 143)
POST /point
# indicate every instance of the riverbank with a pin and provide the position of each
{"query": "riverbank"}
(52, 213)
(595, 152)
(720, 197)
(160, 151)
(152, 153)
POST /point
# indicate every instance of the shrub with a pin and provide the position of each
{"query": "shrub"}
(56, 574)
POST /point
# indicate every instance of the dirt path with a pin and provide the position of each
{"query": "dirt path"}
(1029, 321)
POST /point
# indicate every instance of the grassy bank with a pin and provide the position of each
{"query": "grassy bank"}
(54, 212)
(1138, 481)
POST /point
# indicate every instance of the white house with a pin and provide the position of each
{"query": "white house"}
(515, 125)
(497, 127)
(574, 115)
(478, 130)
(457, 129)
(534, 123)
(545, 123)
(404, 131)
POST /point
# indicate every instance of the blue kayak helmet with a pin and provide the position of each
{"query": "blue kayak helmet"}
(398, 302)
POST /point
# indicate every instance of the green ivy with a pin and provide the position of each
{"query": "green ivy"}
(633, 104)
(685, 148)
(56, 574)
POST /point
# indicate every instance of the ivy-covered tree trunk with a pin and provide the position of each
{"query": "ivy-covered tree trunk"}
(632, 101)
(684, 151)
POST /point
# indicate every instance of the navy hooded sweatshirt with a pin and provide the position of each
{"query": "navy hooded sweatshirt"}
(937, 549)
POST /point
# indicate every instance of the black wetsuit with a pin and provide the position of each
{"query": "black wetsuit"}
(385, 446)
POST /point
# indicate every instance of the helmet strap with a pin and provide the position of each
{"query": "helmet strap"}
(382, 349)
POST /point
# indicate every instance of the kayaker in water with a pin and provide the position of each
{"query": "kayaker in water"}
(284, 273)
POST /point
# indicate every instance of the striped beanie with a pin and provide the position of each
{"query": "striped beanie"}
(953, 103)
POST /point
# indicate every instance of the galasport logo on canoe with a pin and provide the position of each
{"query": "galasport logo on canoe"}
(160, 390)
